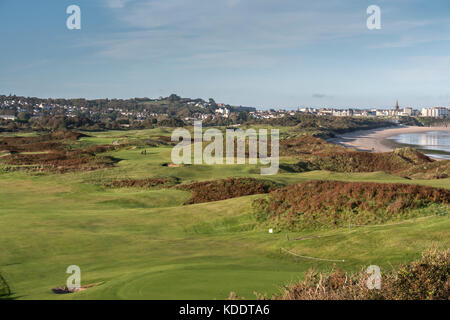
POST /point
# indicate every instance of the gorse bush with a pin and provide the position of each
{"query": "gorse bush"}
(435, 170)
(327, 204)
(156, 182)
(423, 279)
(427, 278)
(52, 141)
(49, 153)
(61, 161)
(207, 191)
(358, 161)
(316, 154)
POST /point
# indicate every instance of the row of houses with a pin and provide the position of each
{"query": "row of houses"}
(436, 112)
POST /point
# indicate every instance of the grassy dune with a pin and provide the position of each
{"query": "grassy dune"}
(145, 244)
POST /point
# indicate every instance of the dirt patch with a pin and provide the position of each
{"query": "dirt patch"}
(164, 139)
(171, 165)
(217, 190)
(65, 290)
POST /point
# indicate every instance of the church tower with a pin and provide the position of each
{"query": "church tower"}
(397, 109)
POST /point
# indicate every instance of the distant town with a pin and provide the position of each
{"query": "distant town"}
(141, 109)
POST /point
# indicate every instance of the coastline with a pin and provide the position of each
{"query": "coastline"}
(375, 140)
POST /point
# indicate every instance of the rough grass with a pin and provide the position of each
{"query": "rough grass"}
(319, 204)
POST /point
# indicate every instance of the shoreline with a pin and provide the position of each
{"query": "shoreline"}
(375, 140)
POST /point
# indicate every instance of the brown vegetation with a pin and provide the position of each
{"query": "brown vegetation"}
(217, 190)
(433, 170)
(48, 153)
(61, 161)
(424, 279)
(307, 145)
(52, 141)
(316, 154)
(360, 161)
(318, 204)
(144, 183)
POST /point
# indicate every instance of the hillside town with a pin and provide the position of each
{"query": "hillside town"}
(13, 108)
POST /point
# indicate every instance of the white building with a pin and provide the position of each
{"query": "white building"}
(407, 111)
(224, 112)
(7, 117)
(44, 107)
(435, 112)
(343, 113)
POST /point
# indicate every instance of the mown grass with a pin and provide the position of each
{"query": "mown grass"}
(144, 244)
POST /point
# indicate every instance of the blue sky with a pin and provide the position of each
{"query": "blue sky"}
(262, 53)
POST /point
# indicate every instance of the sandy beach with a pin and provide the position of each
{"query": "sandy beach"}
(375, 140)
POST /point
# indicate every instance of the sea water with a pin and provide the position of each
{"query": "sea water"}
(430, 142)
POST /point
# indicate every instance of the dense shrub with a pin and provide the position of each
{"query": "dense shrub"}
(316, 154)
(307, 145)
(57, 161)
(427, 278)
(48, 153)
(317, 204)
(424, 279)
(207, 191)
(435, 170)
(52, 141)
(359, 161)
(155, 182)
